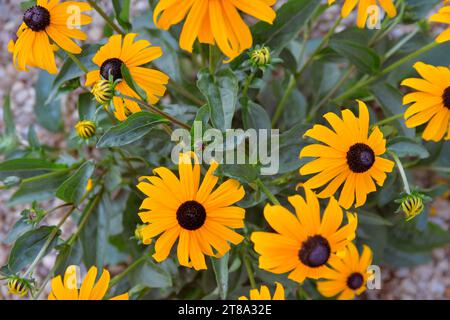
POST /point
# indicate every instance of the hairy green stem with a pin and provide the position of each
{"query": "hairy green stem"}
(125, 272)
(248, 267)
(267, 192)
(401, 171)
(107, 19)
(388, 120)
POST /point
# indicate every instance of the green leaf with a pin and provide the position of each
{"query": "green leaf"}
(18, 229)
(122, 10)
(366, 217)
(28, 246)
(407, 147)
(24, 5)
(86, 106)
(133, 128)
(73, 189)
(401, 259)
(48, 111)
(67, 255)
(151, 275)
(24, 167)
(220, 91)
(256, 117)
(41, 188)
(70, 71)
(220, 267)
(406, 237)
(364, 58)
(290, 20)
(245, 173)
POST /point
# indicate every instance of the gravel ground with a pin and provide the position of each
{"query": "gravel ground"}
(430, 281)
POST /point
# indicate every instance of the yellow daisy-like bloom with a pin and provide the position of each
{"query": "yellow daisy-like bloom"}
(443, 16)
(48, 22)
(363, 9)
(214, 21)
(89, 290)
(350, 157)
(183, 208)
(133, 54)
(264, 293)
(304, 244)
(349, 274)
(431, 101)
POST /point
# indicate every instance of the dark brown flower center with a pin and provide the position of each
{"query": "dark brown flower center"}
(111, 67)
(446, 98)
(360, 158)
(315, 251)
(355, 281)
(37, 18)
(191, 215)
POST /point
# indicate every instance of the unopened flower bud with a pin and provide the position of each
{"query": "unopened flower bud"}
(260, 57)
(103, 91)
(85, 129)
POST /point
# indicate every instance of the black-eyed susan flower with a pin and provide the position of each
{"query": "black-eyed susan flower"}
(182, 208)
(18, 286)
(349, 157)
(364, 8)
(442, 16)
(303, 243)
(44, 24)
(431, 101)
(69, 289)
(348, 274)
(134, 54)
(412, 204)
(214, 22)
(264, 293)
(85, 129)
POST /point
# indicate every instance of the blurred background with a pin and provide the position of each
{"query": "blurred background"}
(429, 281)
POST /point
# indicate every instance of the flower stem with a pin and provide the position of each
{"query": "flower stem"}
(267, 192)
(401, 170)
(106, 17)
(130, 268)
(77, 62)
(388, 120)
(294, 78)
(248, 267)
(160, 112)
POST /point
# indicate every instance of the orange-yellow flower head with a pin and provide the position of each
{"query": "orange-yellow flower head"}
(349, 156)
(44, 24)
(213, 21)
(443, 16)
(431, 101)
(264, 293)
(69, 289)
(124, 50)
(198, 216)
(364, 9)
(305, 243)
(348, 275)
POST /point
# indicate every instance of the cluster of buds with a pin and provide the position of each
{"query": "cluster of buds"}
(138, 234)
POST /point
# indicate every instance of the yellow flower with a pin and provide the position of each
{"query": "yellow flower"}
(264, 293)
(89, 290)
(348, 276)
(85, 129)
(46, 23)
(431, 101)
(363, 9)
(443, 16)
(304, 244)
(350, 157)
(133, 54)
(183, 208)
(214, 21)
